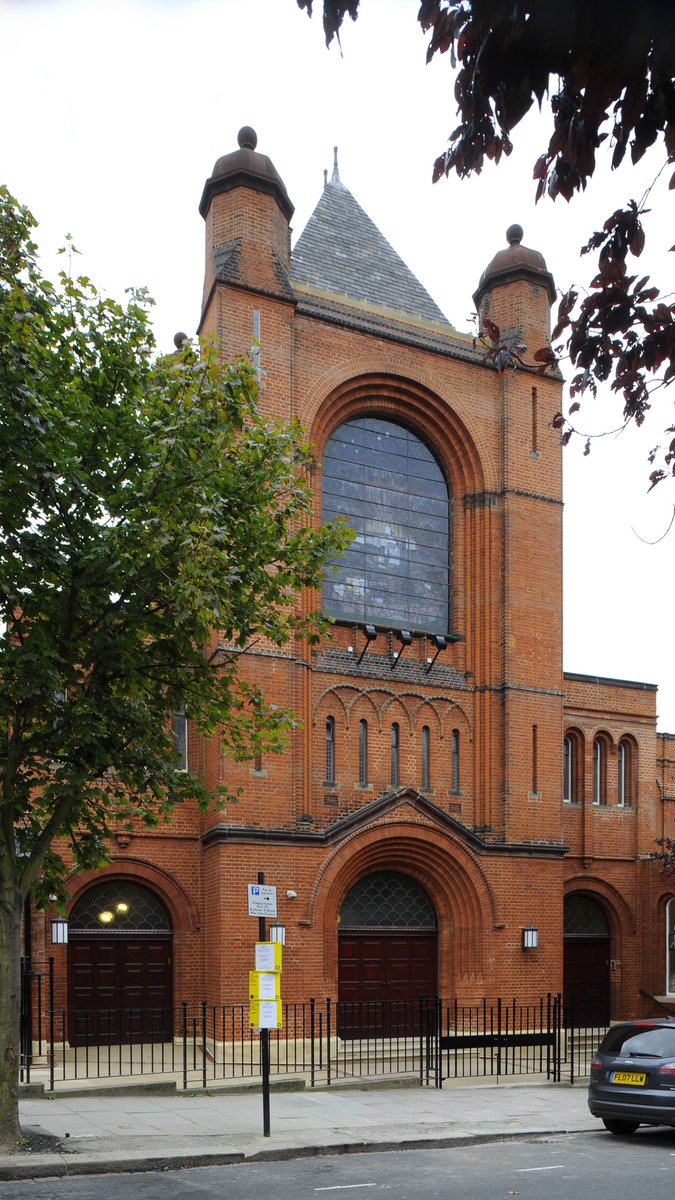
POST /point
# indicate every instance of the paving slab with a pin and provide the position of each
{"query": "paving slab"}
(98, 1134)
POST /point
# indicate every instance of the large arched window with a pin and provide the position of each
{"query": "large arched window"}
(392, 490)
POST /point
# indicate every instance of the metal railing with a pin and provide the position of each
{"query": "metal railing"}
(321, 1041)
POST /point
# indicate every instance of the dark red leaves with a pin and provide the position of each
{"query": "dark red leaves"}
(491, 329)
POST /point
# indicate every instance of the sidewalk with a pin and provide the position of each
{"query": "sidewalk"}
(137, 1131)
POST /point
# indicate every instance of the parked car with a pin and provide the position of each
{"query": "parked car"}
(633, 1076)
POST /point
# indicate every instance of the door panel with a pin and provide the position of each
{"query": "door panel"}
(586, 979)
(381, 978)
(120, 989)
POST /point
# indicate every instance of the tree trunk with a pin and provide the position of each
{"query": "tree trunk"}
(10, 1016)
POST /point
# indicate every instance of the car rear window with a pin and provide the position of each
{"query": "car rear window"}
(640, 1039)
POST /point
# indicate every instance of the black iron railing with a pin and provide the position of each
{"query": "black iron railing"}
(322, 1041)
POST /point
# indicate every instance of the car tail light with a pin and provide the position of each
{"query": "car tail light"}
(596, 1063)
(669, 1070)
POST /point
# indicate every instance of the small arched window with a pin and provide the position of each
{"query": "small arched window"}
(455, 777)
(573, 767)
(330, 749)
(363, 753)
(626, 767)
(180, 740)
(568, 769)
(395, 754)
(670, 948)
(426, 758)
(600, 770)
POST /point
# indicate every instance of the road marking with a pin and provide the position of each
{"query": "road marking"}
(524, 1170)
(342, 1187)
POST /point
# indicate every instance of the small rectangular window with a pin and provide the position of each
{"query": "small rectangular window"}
(180, 741)
(395, 754)
(426, 759)
(455, 761)
(330, 749)
(363, 753)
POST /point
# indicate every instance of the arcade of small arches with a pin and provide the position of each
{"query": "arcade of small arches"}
(421, 755)
(623, 793)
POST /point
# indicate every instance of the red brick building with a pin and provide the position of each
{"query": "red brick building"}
(448, 787)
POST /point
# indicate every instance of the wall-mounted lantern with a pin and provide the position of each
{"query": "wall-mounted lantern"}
(531, 938)
(59, 931)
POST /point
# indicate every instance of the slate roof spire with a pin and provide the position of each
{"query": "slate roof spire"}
(341, 253)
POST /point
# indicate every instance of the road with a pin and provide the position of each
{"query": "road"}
(595, 1166)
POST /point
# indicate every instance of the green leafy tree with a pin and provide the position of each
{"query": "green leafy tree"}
(608, 68)
(144, 504)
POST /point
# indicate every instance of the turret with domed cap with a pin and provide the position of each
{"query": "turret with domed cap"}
(516, 291)
(247, 212)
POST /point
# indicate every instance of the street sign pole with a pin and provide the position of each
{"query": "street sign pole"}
(264, 1037)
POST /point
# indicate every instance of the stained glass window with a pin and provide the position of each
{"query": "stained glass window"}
(391, 488)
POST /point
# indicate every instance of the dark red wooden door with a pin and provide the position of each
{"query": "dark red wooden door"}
(586, 975)
(120, 989)
(381, 979)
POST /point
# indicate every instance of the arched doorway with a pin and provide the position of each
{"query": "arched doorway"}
(387, 953)
(120, 974)
(586, 960)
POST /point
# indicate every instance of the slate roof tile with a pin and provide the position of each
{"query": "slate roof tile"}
(342, 251)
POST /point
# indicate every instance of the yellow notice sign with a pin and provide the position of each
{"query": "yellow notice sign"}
(268, 956)
(265, 1014)
(264, 985)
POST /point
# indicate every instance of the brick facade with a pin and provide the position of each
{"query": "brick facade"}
(477, 815)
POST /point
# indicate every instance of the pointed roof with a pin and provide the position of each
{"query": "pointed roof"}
(341, 251)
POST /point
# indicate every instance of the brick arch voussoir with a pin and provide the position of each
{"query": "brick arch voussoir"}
(456, 718)
(367, 694)
(605, 735)
(419, 407)
(622, 917)
(397, 701)
(325, 697)
(180, 906)
(461, 895)
(427, 705)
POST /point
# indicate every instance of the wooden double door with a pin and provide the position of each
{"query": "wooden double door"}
(120, 988)
(382, 976)
(586, 979)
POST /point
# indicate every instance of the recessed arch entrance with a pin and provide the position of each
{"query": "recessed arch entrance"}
(586, 959)
(387, 953)
(120, 965)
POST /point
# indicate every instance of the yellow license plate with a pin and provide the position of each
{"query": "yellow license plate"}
(634, 1078)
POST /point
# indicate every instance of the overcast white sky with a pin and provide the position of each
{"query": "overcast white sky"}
(114, 114)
